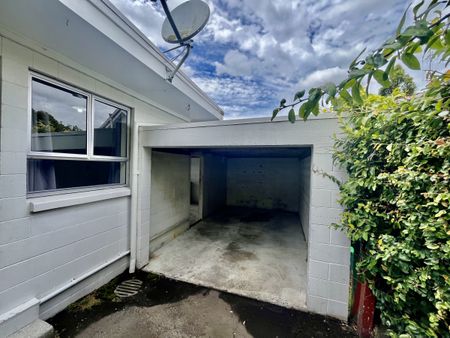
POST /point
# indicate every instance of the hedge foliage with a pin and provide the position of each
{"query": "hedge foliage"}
(396, 151)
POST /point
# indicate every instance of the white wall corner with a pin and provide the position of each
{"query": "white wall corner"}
(19, 317)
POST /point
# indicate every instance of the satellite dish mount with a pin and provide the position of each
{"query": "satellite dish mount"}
(181, 25)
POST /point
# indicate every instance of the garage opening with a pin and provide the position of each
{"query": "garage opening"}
(233, 219)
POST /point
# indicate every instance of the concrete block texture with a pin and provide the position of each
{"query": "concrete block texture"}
(319, 233)
(317, 305)
(318, 269)
(337, 309)
(13, 162)
(266, 183)
(170, 191)
(305, 194)
(321, 198)
(14, 95)
(330, 253)
(339, 237)
(15, 51)
(18, 317)
(13, 117)
(14, 72)
(339, 273)
(324, 216)
(12, 185)
(41, 252)
(322, 162)
(13, 208)
(14, 230)
(37, 329)
(328, 289)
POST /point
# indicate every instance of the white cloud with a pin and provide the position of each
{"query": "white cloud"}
(144, 16)
(237, 96)
(270, 48)
(322, 76)
(235, 64)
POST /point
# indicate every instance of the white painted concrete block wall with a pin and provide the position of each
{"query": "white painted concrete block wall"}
(329, 253)
(266, 183)
(41, 252)
(170, 192)
(305, 193)
(143, 213)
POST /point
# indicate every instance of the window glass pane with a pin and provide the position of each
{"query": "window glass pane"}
(44, 175)
(110, 130)
(58, 119)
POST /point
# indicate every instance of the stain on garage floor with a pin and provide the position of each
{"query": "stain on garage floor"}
(167, 308)
(249, 252)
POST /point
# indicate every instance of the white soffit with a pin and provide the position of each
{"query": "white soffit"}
(95, 35)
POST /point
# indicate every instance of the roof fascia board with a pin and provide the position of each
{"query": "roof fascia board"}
(255, 120)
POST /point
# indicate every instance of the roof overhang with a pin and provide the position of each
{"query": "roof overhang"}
(95, 35)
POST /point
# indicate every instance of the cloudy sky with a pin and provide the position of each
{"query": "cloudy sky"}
(254, 52)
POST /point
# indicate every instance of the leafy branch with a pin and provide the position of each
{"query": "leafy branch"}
(425, 35)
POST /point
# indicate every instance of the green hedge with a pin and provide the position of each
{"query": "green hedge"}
(397, 154)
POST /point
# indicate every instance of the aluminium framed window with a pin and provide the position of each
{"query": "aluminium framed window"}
(77, 140)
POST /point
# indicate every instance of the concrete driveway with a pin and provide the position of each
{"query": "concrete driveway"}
(168, 308)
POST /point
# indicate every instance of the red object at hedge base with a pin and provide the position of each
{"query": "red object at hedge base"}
(364, 309)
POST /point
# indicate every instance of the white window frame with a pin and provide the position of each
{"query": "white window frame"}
(89, 156)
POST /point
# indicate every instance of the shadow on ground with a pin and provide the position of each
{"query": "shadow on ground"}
(167, 308)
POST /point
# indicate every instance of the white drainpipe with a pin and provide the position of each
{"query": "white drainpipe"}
(135, 193)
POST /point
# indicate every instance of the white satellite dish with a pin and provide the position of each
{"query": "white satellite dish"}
(189, 18)
(181, 25)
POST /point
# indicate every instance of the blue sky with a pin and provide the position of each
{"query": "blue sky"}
(254, 52)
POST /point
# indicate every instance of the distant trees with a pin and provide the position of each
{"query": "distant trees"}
(398, 78)
(44, 122)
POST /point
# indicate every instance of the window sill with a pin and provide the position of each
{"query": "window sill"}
(38, 204)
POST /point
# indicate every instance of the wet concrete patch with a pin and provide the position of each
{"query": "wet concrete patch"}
(267, 320)
(167, 308)
(209, 231)
(250, 234)
(264, 260)
(234, 253)
(156, 290)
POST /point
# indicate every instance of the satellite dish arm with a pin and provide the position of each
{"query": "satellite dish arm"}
(171, 75)
(172, 23)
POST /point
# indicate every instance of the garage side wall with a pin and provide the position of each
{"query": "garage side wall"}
(328, 251)
(305, 193)
(170, 192)
(265, 183)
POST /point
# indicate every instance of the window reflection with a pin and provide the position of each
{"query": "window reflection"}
(58, 119)
(55, 174)
(110, 130)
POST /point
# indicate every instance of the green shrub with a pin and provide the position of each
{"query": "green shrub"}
(396, 151)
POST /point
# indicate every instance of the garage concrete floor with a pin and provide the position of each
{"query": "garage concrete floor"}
(254, 253)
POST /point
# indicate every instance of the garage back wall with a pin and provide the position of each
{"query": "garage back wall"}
(266, 183)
